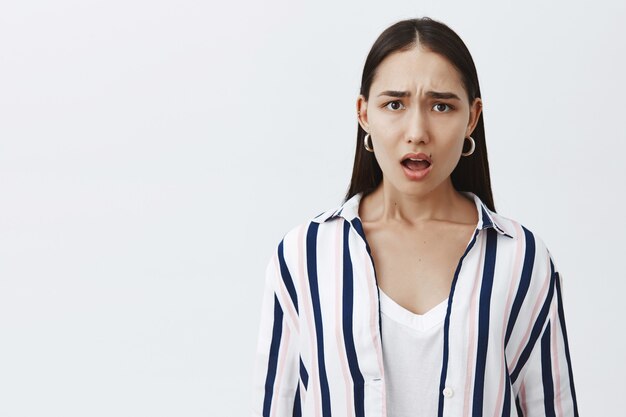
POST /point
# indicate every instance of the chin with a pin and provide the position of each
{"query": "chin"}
(417, 189)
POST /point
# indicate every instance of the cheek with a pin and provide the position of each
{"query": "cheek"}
(451, 134)
(383, 120)
(383, 153)
(385, 149)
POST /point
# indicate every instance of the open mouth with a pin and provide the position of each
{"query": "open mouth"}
(415, 164)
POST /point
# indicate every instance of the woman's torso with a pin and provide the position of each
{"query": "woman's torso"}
(327, 287)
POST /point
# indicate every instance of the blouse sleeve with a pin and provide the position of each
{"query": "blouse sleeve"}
(275, 381)
(547, 387)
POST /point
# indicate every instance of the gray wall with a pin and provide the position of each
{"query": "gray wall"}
(152, 154)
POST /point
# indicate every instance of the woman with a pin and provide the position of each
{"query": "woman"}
(414, 297)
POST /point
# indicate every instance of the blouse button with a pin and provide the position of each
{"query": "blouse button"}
(448, 392)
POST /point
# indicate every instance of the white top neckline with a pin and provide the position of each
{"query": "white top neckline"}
(418, 322)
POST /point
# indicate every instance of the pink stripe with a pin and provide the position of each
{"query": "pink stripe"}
(538, 303)
(284, 345)
(522, 395)
(341, 348)
(371, 287)
(291, 311)
(513, 284)
(471, 344)
(555, 363)
(307, 310)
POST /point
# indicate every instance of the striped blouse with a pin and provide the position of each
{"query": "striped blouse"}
(505, 345)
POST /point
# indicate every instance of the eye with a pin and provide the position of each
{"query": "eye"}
(442, 108)
(396, 105)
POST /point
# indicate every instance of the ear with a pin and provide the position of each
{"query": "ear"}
(475, 109)
(361, 108)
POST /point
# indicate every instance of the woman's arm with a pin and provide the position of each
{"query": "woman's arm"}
(547, 387)
(275, 385)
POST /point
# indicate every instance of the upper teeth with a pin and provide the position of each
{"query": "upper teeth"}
(415, 159)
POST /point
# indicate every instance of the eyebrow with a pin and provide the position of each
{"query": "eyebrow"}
(434, 94)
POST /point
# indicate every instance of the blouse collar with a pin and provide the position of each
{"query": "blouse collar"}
(349, 210)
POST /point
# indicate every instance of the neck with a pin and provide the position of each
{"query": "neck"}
(389, 204)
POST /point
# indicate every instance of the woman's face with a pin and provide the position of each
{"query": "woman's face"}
(417, 105)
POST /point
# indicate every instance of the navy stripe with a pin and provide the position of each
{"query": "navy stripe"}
(488, 222)
(348, 335)
(284, 272)
(273, 357)
(522, 290)
(311, 260)
(356, 222)
(483, 321)
(518, 406)
(304, 375)
(564, 331)
(506, 406)
(446, 326)
(546, 374)
(297, 407)
(535, 332)
(486, 219)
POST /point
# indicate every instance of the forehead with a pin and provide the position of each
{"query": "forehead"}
(415, 69)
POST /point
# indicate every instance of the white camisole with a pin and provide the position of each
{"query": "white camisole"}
(412, 356)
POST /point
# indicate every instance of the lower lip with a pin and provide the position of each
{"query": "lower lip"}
(416, 175)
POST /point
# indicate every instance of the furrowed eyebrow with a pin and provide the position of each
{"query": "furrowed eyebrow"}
(394, 93)
(442, 95)
(434, 94)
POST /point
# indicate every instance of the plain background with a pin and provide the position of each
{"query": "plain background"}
(153, 154)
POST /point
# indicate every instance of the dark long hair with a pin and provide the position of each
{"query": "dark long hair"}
(472, 172)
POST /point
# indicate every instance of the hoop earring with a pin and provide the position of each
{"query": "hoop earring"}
(367, 146)
(472, 148)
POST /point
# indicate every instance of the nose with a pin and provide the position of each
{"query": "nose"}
(417, 129)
